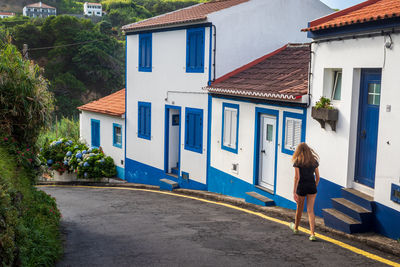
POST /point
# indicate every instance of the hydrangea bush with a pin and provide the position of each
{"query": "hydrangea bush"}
(65, 155)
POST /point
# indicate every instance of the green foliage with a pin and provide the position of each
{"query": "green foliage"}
(323, 103)
(67, 127)
(65, 155)
(29, 221)
(26, 104)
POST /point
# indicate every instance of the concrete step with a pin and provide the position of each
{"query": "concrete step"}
(358, 198)
(258, 199)
(353, 210)
(166, 184)
(339, 221)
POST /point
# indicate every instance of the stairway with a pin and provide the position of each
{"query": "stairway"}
(258, 199)
(352, 213)
(166, 184)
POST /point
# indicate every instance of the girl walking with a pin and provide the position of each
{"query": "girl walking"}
(305, 163)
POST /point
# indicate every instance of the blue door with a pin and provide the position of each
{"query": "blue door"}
(95, 127)
(368, 120)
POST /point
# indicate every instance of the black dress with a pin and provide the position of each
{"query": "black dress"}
(307, 185)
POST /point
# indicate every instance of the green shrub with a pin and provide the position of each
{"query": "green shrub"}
(66, 155)
(323, 103)
(29, 221)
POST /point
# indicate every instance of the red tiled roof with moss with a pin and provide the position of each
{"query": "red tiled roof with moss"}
(372, 10)
(282, 74)
(113, 104)
(190, 14)
(40, 5)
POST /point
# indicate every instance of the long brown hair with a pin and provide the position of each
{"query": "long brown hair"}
(305, 156)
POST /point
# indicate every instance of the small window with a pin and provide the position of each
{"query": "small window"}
(194, 130)
(195, 50)
(395, 193)
(144, 120)
(145, 52)
(95, 133)
(230, 127)
(117, 135)
(337, 85)
(374, 94)
(293, 131)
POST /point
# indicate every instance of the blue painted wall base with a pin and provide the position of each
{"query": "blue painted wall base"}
(136, 172)
(120, 172)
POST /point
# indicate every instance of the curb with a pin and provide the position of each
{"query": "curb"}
(372, 240)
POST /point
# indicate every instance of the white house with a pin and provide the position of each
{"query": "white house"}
(171, 57)
(355, 63)
(6, 15)
(102, 124)
(258, 118)
(39, 10)
(92, 9)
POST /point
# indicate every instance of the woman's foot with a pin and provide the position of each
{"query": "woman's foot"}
(292, 226)
(313, 238)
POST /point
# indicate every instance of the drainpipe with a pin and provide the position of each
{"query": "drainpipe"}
(214, 52)
(310, 75)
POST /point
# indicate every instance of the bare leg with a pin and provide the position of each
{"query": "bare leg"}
(310, 211)
(299, 211)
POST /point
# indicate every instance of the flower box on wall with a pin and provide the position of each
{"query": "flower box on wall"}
(325, 115)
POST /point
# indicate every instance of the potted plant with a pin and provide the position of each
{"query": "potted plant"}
(324, 112)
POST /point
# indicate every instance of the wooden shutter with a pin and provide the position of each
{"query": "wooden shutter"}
(289, 134)
(293, 133)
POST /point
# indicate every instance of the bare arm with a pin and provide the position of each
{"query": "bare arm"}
(296, 182)
(316, 176)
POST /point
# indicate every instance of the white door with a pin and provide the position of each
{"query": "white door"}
(267, 151)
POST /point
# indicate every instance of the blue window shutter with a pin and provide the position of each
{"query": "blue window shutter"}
(95, 129)
(195, 50)
(147, 119)
(144, 120)
(194, 129)
(145, 52)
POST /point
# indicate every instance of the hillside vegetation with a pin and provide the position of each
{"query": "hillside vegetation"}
(95, 65)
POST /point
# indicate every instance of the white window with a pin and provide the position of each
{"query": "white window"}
(230, 128)
(337, 85)
(292, 133)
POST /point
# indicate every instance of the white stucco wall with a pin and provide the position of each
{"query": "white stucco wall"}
(167, 84)
(338, 149)
(222, 159)
(253, 29)
(106, 134)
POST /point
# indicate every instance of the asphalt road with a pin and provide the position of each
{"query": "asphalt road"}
(109, 227)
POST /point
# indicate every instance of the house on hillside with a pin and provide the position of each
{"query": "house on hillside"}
(355, 63)
(259, 116)
(39, 10)
(6, 15)
(92, 9)
(171, 57)
(102, 124)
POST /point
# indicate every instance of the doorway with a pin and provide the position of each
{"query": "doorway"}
(267, 151)
(172, 140)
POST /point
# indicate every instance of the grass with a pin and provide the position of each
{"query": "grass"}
(29, 225)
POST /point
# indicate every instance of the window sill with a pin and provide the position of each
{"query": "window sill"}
(227, 148)
(200, 151)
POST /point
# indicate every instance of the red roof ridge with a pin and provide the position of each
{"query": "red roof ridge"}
(338, 14)
(248, 65)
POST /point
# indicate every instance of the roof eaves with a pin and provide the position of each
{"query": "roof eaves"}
(164, 25)
(256, 94)
(313, 25)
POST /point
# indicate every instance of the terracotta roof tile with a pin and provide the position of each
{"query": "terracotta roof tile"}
(367, 11)
(190, 14)
(113, 104)
(40, 4)
(282, 74)
(7, 13)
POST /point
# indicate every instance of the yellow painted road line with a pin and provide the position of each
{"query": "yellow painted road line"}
(323, 237)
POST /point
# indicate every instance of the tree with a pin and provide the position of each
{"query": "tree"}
(26, 104)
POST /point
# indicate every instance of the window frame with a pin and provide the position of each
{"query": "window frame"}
(196, 69)
(236, 107)
(91, 132)
(116, 125)
(335, 82)
(140, 65)
(393, 197)
(298, 116)
(140, 133)
(199, 112)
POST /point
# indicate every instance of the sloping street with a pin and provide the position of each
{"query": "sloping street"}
(111, 227)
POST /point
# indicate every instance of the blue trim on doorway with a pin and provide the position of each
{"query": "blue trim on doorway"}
(209, 126)
(120, 172)
(126, 90)
(137, 172)
(233, 106)
(166, 134)
(303, 118)
(256, 163)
